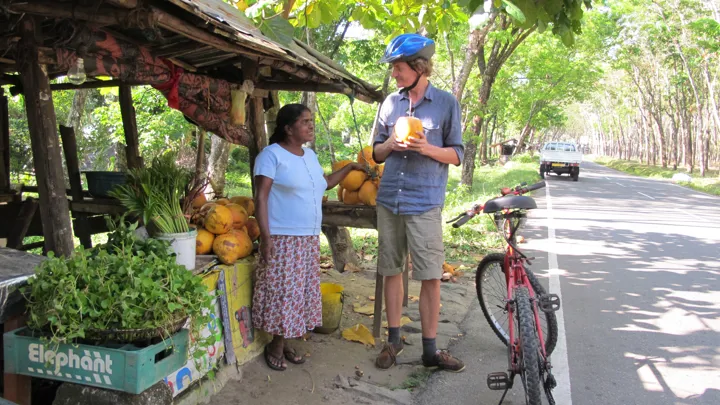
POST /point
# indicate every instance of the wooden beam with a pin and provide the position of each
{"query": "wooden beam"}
(308, 86)
(4, 143)
(178, 26)
(123, 3)
(42, 123)
(101, 15)
(350, 222)
(69, 143)
(109, 206)
(93, 84)
(22, 224)
(312, 87)
(132, 151)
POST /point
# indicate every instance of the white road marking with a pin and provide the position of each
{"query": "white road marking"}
(646, 195)
(561, 367)
(619, 184)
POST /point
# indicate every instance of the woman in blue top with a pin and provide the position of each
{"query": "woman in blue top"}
(290, 184)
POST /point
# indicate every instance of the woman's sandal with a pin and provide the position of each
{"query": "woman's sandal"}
(271, 360)
(292, 356)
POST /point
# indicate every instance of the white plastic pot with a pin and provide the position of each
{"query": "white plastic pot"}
(183, 244)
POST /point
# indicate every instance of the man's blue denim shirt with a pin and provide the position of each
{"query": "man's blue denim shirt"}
(412, 183)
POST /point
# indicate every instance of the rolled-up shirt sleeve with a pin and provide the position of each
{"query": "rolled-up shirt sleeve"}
(381, 127)
(453, 132)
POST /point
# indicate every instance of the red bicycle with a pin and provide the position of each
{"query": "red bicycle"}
(512, 299)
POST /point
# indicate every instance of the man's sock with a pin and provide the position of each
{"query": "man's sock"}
(394, 336)
(429, 347)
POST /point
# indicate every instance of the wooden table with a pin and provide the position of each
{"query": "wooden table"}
(335, 215)
(15, 268)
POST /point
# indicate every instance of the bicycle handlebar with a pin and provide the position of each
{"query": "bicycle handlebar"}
(463, 218)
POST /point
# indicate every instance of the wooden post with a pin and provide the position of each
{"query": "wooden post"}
(200, 155)
(377, 320)
(16, 388)
(42, 123)
(406, 281)
(132, 151)
(260, 141)
(82, 226)
(4, 143)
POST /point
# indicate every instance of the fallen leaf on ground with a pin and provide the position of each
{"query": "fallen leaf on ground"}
(521, 239)
(413, 298)
(403, 321)
(352, 268)
(359, 333)
(365, 309)
(326, 265)
(368, 257)
(371, 298)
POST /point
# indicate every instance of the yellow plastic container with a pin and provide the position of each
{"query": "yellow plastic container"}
(332, 307)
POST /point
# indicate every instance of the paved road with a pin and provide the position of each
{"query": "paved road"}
(637, 263)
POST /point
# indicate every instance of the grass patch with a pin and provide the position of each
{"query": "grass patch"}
(479, 236)
(416, 379)
(709, 184)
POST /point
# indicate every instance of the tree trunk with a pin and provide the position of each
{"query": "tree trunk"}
(484, 146)
(217, 164)
(476, 40)
(77, 109)
(489, 69)
(341, 246)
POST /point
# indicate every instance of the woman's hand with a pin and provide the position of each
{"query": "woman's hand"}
(267, 250)
(356, 166)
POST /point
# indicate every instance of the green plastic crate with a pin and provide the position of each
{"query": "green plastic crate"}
(125, 368)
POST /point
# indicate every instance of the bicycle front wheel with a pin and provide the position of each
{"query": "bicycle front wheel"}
(492, 293)
(529, 352)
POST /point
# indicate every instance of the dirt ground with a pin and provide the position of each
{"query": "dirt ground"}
(315, 382)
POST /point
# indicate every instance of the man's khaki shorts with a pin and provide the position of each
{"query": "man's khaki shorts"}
(421, 234)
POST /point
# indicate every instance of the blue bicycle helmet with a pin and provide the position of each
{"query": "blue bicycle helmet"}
(407, 47)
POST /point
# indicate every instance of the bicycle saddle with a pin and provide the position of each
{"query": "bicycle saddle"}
(509, 202)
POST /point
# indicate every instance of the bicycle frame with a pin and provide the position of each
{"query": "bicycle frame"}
(515, 276)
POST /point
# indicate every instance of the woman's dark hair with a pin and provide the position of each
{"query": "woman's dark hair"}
(287, 117)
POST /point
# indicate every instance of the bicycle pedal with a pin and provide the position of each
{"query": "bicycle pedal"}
(499, 381)
(549, 302)
(550, 382)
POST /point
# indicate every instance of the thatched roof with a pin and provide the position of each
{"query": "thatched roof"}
(207, 37)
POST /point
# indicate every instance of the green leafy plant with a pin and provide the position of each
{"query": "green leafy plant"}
(127, 283)
(154, 193)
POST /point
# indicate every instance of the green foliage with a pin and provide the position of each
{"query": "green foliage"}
(479, 236)
(154, 193)
(125, 284)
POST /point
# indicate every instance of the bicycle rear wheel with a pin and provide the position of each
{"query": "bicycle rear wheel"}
(530, 363)
(492, 293)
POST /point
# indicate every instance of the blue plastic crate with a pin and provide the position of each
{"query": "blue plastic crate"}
(125, 368)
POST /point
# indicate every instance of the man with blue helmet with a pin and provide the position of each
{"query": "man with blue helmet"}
(412, 192)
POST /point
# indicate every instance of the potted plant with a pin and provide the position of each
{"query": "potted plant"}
(161, 196)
